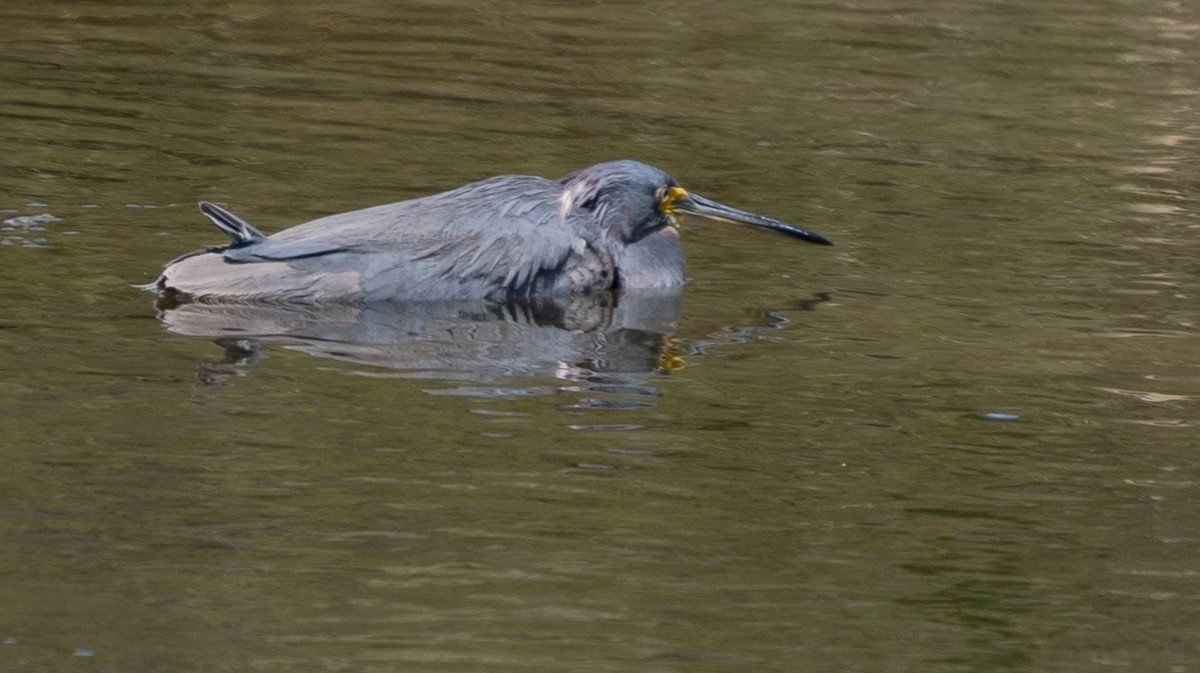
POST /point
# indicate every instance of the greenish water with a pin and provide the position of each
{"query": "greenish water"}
(964, 439)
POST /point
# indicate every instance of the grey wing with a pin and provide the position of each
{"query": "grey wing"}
(270, 250)
(498, 238)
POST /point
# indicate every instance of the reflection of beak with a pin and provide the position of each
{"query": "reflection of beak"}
(702, 207)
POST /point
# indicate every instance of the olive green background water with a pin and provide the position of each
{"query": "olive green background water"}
(964, 439)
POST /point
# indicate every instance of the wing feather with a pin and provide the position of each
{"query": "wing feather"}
(491, 239)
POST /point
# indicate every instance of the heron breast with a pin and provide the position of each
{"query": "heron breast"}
(586, 270)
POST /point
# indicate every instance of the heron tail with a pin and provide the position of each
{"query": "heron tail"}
(235, 227)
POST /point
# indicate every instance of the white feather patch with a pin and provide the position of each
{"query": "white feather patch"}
(567, 201)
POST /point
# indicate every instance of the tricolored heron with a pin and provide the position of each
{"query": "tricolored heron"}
(612, 225)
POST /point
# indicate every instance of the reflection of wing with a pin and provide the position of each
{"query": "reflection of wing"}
(474, 340)
(495, 238)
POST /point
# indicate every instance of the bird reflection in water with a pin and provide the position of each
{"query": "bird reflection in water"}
(600, 338)
(603, 342)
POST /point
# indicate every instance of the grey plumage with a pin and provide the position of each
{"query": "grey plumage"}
(612, 225)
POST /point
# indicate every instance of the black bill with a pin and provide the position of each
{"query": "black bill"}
(702, 207)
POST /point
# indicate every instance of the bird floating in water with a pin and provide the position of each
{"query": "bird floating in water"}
(612, 225)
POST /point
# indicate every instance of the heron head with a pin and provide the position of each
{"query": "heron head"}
(624, 198)
(630, 200)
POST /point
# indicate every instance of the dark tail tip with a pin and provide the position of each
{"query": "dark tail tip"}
(239, 230)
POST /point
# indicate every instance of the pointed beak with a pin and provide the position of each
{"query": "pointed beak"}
(698, 206)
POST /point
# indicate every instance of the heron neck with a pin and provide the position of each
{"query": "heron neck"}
(653, 261)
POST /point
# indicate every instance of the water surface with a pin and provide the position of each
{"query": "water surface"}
(963, 439)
